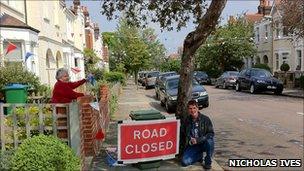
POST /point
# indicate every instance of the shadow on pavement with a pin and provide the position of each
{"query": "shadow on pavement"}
(151, 96)
(157, 106)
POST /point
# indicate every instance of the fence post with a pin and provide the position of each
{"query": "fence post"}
(2, 127)
(74, 125)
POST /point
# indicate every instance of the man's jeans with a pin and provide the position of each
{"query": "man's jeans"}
(194, 153)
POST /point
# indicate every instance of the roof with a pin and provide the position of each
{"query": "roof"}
(9, 21)
(172, 77)
(253, 17)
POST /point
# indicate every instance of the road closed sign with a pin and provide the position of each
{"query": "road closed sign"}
(148, 140)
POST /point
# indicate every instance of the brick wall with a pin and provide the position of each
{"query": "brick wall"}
(91, 121)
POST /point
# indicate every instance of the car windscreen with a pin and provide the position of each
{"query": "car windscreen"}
(260, 73)
(201, 74)
(173, 84)
(233, 73)
(152, 74)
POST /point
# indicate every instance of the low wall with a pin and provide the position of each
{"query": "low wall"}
(92, 121)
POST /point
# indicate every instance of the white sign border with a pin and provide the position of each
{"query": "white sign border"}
(165, 157)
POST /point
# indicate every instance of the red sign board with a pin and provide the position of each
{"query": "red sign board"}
(148, 140)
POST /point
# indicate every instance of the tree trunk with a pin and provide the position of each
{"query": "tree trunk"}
(192, 42)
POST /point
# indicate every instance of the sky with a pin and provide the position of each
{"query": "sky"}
(173, 39)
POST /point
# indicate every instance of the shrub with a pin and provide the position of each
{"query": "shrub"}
(114, 77)
(284, 67)
(17, 74)
(98, 74)
(262, 66)
(113, 105)
(5, 160)
(44, 153)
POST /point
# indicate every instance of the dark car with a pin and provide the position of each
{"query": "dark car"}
(258, 80)
(141, 75)
(227, 79)
(160, 80)
(201, 77)
(168, 93)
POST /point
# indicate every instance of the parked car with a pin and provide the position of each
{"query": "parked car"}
(258, 80)
(201, 77)
(149, 79)
(160, 80)
(168, 93)
(227, 79)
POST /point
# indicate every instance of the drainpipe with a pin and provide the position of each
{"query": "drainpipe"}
(25, 12)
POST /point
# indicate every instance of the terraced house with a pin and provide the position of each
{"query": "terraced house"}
(52, 32)
(275, 46)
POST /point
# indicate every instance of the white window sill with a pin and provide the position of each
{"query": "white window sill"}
(46, 20)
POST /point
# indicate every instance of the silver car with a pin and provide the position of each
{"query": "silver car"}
(149, 79)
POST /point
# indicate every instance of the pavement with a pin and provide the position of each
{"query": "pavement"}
(299, 93)
(133, 99)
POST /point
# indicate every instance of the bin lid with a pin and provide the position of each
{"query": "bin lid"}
(15, 86)
(146, 114)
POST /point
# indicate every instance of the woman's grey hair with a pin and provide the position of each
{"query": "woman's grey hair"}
(60, 72)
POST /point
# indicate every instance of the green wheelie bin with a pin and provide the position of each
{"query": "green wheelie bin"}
(15, 93)
(140, 115)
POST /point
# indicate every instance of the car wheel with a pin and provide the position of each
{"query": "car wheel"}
(237, 87)
(278, 92)
(168, 108)
(162, 103)
(224, 86)
(252, 89)
(207, 105)
(216, 86)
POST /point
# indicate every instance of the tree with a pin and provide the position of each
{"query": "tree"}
(135, 50)
(90, 59)
(156, 49)
(170, 65)
(293, 16)
(166, 13)
(226, 47)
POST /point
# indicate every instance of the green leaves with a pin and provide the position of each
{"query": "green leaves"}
(15, 73)
(164, 12)
(44, 153)
(90, 60)
(226, 48)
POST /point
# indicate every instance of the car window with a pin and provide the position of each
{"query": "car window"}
(260, 73)
(201, 74)
(152, 74)
(173, 84)
(233, 73)
(242, 73)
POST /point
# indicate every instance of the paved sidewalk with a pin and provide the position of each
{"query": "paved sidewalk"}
(132, 99)
(299, 93)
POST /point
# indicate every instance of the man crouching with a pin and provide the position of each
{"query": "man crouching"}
(199, 137)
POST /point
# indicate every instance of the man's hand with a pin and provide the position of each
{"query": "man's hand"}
(192, 141)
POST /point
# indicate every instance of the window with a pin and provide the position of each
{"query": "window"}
(76, 62)
(46, 8)
(299, 60)
(33, 66)
(277, 60)
(266, 31)
(285, 57)
(285, 32)
(258, 34)
(277, 28)
(15, 55)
